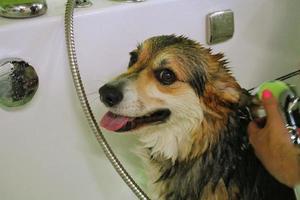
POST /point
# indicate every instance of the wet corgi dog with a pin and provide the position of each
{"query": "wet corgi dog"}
(191, 117)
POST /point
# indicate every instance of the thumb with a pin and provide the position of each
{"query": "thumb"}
(271, 106)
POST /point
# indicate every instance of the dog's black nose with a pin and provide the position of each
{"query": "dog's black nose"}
(110, 95)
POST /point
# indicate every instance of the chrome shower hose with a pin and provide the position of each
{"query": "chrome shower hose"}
(69, 34)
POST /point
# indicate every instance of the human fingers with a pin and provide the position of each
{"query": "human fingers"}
(253, 128)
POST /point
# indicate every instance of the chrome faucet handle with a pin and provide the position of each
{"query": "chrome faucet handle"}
(22, 8)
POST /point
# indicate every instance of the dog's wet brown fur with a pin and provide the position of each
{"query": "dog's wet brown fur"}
(184, 57)
(217, 164)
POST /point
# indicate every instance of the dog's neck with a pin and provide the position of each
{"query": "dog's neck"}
(187, 139)
(169, 143)
(174, 159)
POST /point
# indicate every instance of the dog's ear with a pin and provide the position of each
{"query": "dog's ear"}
(228, 90)
(226, 87)
(221, 88)
(220, 82)
(231, 92)
(224, 93)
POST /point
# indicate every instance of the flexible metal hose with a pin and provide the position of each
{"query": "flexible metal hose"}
(69, 34)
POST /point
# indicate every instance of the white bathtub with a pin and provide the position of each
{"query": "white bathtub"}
(46, 148)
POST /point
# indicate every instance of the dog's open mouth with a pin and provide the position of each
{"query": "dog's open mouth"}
(118, 123)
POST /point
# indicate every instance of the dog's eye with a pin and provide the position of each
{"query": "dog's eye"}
(165, 76)
(133, 58)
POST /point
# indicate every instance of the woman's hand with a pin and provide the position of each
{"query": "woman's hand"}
(273, 146)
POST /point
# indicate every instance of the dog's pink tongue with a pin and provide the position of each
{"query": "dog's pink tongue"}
(113, 122)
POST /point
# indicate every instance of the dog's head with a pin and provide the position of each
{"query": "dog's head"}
(171, 87)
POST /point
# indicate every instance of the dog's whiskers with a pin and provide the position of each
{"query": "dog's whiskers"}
(92, 93)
